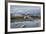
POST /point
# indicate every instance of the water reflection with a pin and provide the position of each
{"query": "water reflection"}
(25, 24)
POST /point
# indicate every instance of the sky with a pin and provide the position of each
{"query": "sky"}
(18, 9)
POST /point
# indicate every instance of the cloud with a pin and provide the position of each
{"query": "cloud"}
(24, 9)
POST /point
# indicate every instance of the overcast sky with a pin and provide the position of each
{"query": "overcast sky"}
(24, 9)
